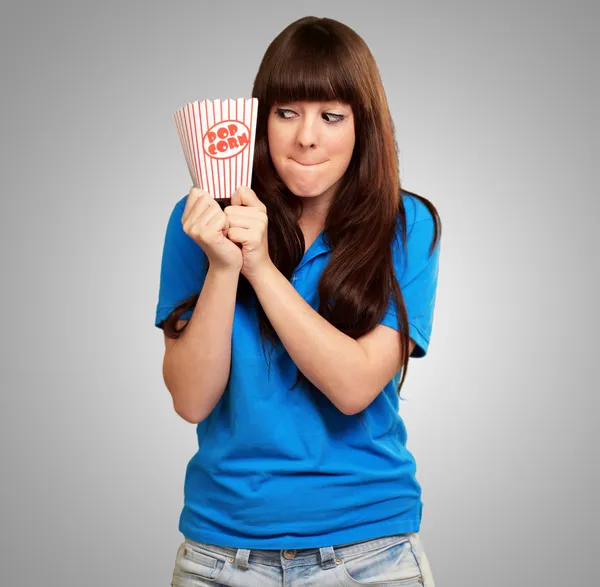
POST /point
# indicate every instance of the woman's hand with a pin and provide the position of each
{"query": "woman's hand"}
(248, 225)
(204, 222)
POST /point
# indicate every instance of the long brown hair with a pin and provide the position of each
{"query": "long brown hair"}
(321, 59)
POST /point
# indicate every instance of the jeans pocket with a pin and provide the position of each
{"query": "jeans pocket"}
(195, 562)
(392, 565)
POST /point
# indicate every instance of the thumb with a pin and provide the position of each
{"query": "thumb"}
(245, 196)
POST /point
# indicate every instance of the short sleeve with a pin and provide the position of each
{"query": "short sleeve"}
(418, 276)
(183, 268)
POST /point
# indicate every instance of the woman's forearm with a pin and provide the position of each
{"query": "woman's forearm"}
(196, 368)
(331, 360)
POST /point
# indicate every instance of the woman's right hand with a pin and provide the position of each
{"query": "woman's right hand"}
(205, 222)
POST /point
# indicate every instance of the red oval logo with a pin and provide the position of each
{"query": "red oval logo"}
(226, 139)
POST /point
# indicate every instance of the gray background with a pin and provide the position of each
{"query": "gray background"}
(495, 106)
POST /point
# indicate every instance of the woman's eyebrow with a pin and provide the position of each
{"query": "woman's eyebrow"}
(331, 104)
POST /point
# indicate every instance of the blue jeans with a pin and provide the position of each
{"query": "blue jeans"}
(391, 561)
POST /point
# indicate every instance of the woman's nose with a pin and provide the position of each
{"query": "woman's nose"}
(306, 133)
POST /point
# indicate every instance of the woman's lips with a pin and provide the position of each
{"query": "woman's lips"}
(307, 164)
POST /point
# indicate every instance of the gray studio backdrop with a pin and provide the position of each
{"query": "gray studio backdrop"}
(495, 106)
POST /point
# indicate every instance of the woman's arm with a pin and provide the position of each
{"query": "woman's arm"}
(351, 373)
(196, 366)
(335, 363)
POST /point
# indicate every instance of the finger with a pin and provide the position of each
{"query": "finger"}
(239, 235)
(216, 222)
(226, 224)
(189, 203)
(236, 199)
(243, 219)
(198, 208)
(236, 211)
(209, 215)
(194, 196)
(197, 216)
(249, 198)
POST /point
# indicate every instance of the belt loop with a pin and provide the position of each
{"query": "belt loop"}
(327, 557)
(241, 558)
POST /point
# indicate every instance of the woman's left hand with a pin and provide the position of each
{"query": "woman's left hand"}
(248, 225)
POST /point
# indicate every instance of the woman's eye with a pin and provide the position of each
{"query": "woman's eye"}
(338, 117)
(280, 111)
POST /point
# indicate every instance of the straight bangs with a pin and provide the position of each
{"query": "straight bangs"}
(317, 75)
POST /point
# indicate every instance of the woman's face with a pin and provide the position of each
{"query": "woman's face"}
(311, 144)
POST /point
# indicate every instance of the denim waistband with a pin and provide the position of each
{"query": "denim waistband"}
(304, 555)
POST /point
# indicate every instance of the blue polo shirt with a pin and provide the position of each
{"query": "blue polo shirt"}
(278, 468)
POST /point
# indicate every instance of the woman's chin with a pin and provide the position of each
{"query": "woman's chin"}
(305, 190)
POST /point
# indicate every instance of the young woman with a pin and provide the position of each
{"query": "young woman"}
(288, 318)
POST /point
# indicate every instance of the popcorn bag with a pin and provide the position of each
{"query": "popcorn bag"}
(217, 138)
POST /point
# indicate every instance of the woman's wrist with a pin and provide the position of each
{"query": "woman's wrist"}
(224, 272)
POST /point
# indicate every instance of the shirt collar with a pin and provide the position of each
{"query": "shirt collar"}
(318, 247)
